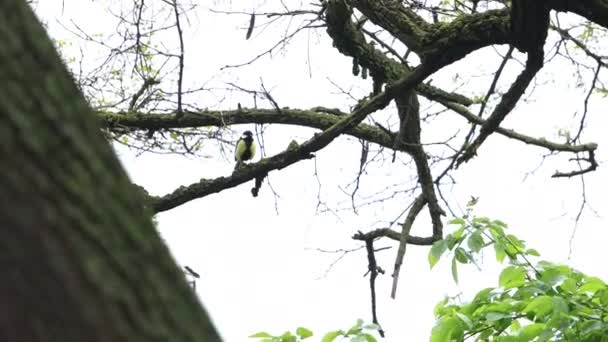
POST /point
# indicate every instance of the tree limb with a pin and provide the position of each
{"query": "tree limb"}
(406, 227)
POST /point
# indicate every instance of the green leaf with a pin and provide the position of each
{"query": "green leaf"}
(303, 332)
(466, 319)
(514, 245)
(457, 220)
(499, 249)
(554, 274)
(458, 233)
(603, 295)
(532, 251)
(591, 327)
(515, 326)
(331, 336)
(592, 286)
(498, 223)
(483, 220)
(497, 232)
(483, 294)
(495, 316)
(475, 241)
(355, 329)
(436, 251)
(451, 241)
(446, 329)
(529, 332)
(440, 309)
(512, 276)
(462, 255)
(540, 306)
(287, 337)
(455, 269)
(569, 285)
(260, 334)
(560, 305)
(369, 337)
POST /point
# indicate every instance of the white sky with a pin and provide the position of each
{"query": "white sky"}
(259, 268)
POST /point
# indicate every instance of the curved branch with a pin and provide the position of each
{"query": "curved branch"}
(351, 42)
(592, 166)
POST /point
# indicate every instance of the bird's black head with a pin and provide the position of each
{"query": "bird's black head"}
(247, 134)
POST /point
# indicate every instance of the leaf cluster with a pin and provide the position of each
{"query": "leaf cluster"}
(545, 302)
(359, 332)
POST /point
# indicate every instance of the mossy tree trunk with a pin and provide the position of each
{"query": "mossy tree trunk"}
(80, 260)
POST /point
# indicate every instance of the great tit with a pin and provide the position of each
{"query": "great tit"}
(245, 148)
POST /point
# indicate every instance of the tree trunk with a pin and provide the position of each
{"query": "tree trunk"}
(81, 261)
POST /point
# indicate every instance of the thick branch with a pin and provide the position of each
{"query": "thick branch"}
(407, 106)
(593, 10)
(314, 118)
(529, 24)
(351, 42)
(403, 23)
(452, 41)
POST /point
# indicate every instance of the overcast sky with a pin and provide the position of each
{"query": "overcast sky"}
(258, 257)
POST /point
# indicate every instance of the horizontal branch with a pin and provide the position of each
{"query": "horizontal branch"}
(313, 118)
(395, 235)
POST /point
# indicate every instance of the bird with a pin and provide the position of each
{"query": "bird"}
(245, 148)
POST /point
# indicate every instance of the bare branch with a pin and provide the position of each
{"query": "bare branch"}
(526, 139)
(415, 209)
(592, 166)
(180, 78)
(507, 103)
(373, 270)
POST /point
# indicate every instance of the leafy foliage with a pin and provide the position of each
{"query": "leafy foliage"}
(357, 333)
(474, 234)
(545, 302)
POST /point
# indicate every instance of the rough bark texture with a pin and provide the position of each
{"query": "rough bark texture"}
(81, 261)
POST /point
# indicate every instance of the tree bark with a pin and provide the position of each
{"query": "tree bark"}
(81, 260)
